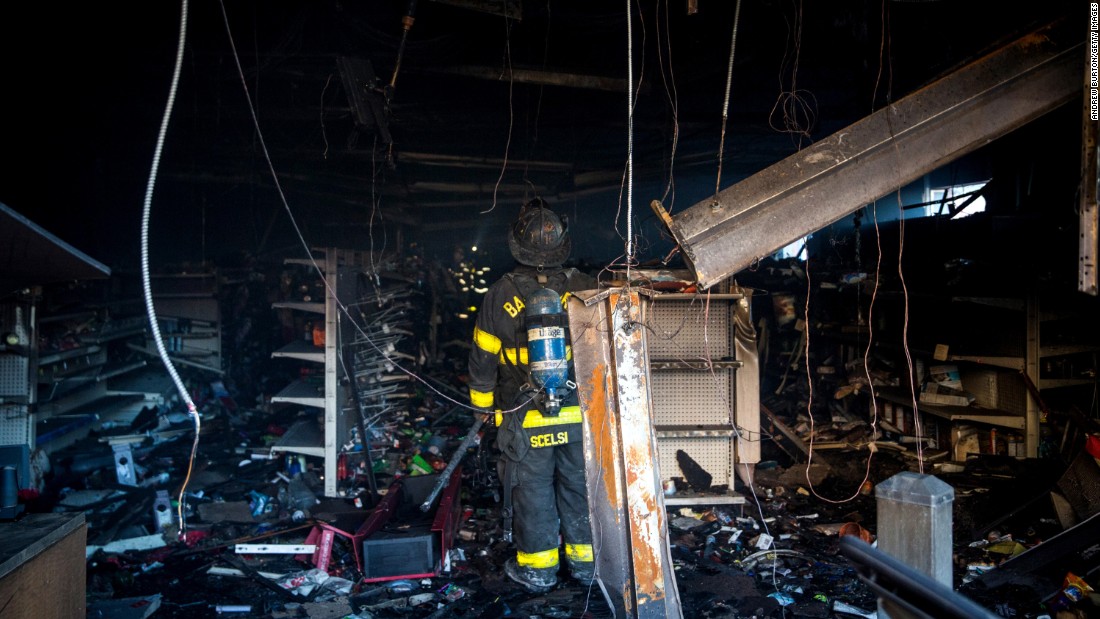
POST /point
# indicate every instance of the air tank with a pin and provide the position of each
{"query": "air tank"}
(547, 362)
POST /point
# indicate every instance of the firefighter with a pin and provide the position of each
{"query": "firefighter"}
(542, 455)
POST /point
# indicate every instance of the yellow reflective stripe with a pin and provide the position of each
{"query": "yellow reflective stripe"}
(535, 419)
(567, 414)
(486, 341)
(481, 399)
(565, 299)
(579, 552)
(510, 353)
(538, 560)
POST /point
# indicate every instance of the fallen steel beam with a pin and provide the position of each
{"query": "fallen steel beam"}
(950, 117)
(629, 524)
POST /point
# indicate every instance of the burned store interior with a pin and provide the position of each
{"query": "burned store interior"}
(719, 309)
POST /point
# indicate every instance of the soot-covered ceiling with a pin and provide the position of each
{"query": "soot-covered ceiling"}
(493, 103)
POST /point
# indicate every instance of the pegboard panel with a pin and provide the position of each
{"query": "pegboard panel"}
(687, 397)
(15, 366)
(686, 329)
(16, 425)
(13, 375)
(713, 453)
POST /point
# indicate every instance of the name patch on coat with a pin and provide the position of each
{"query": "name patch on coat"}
(549, 439)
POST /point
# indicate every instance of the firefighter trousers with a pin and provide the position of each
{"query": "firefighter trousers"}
(548, 496)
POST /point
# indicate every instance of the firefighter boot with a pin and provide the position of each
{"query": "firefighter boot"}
(583, 571)
(534, 580)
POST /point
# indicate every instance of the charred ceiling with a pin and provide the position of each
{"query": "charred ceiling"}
(482, 109)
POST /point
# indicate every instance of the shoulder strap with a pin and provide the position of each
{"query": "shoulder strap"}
(524, 284)
(558, 282)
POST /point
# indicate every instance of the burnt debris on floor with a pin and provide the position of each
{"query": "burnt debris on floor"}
(405, 521)
(248, 516)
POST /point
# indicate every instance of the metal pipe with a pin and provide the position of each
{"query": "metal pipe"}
(406, 25)
(456, 458)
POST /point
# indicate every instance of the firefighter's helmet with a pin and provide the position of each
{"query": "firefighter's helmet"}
(539, 237)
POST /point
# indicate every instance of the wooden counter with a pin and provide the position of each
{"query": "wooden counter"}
(42, 566)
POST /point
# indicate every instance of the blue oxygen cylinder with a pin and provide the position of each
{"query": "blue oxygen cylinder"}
(547, 362)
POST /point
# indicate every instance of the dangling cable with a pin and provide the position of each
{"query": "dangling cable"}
(673, 99)
(871, 329)
(901, 273)
(538, 110)
(881, 50)
(145, 280)
(810, 401)
(342, 307)
(905, 337)
(324, 134)
(629, 141)
(726, 102)
(798, 113)
(511, 110)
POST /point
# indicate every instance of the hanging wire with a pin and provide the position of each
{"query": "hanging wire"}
(511, 109)
(669, 82)
(629, 141)
(871, 328)
(147, 289)
(324, 133)
(870, 308)
(375, 203)
(538, 109)
(881, 50)
(901, 272)
(726, 102)
(878, 262)
(905, 337)
(884, 43)
(810, 399)
(797, 108)
(327, 282)
(626, 187)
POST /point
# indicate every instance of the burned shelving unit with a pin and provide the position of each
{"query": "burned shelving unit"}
(703, 364)
(313, 315)
(381, 357)
(65, 340)
(352, 330)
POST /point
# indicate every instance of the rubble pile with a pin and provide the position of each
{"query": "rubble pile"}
(775, 556)
(413, 528)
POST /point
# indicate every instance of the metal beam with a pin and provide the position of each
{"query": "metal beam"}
(629, 524)
(535, 76)
(898, 144)
(512, 9)
(490, 163)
